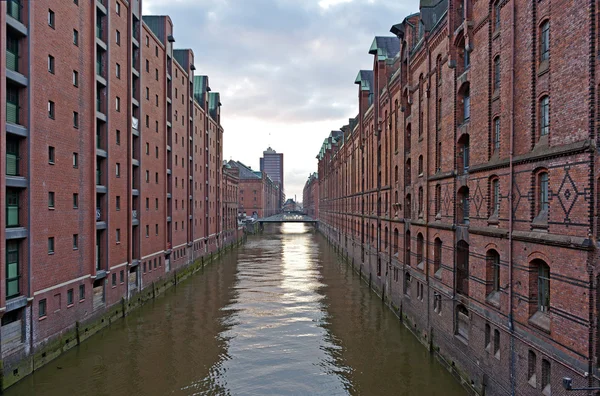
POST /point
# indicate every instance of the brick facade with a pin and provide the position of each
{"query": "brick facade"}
(126, 181)
(464, 190)
(258, 194)
(310, 196)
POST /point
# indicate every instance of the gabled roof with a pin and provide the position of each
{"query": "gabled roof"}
(245, 172)
(385, 47)
(365, 80)
(432, 12)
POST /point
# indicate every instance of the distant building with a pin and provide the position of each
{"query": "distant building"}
(310, 196)
(258, 194)
(272, 164)
(291, 206)
(231, 180)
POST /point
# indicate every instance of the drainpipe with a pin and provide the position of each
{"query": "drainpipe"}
(510, 200)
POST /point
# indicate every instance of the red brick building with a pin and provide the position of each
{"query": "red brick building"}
(258, 194)
(111, 172)
(231, 181)
(310, 196)
(465, 189)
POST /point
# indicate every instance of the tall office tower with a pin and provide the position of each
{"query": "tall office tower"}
(272, 164)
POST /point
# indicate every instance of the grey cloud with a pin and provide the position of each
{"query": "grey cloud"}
(300, 59)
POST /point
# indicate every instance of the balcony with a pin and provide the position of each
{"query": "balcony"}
(100, 220)
(100, 147)
(13, 73)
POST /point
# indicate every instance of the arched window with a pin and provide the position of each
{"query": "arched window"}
(438, 200)
(492, 259)
(544, 115)
(396, 241)
(545, 41)
(496, 343)
(464, 147)
(420, 201)
(465, 96)
(462, 322)
(494, 196)
(496, 135)
(407, 173)
(497, 74)
(542, 196)
(420, 246)
(407, 283)
(497, 16)
(421, 121)
(437, 257)
(531, 368)
(372, 233)
(396, 174)
(407, 248)
(396, 120)
(420, 165)
(462, 268)
(462, 207)
(408, 207)
(407, 137)
(387, 239)
(543, 275)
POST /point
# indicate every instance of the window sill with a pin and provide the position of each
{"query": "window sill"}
(42, 318)
(541, 320)
(532, 381)
(70, 306)
(493, 219)
(540, 223)
(461, 339)
(543, 68)
(438, 274)
(493, 299)
(496, 34)
(421, 265)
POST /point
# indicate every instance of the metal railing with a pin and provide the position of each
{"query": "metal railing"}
(14, 9)
(12, 164)
(12, 216)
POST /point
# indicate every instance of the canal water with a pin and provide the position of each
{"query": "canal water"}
(282, 315)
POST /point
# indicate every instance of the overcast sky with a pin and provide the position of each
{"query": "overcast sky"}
(285, 68)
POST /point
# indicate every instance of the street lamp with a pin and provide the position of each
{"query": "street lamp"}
(568, 385)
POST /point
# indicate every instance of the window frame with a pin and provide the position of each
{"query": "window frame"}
(544, 108)
(545, 41)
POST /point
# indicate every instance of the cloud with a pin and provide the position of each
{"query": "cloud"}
(281, 64)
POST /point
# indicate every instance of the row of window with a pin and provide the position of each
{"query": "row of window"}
(42, 305)
(540, 275)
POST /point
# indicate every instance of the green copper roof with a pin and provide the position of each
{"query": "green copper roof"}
(385, 47)
(365, 80)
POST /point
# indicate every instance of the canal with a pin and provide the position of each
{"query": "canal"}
(280, 315)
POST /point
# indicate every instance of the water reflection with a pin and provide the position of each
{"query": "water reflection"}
(281, 315)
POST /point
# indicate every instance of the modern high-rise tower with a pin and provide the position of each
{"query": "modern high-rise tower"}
(272, 164)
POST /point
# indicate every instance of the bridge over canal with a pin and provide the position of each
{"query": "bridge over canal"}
(288, 217)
